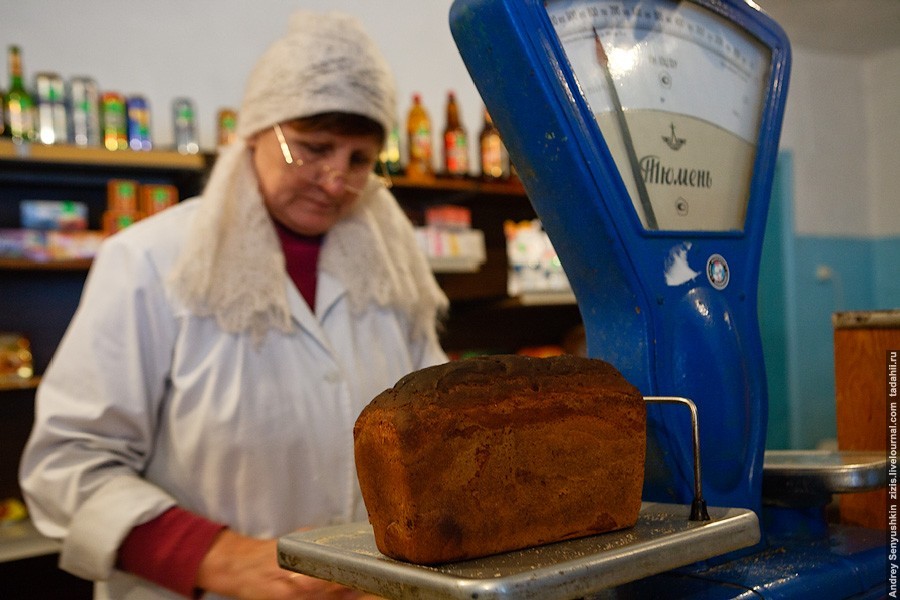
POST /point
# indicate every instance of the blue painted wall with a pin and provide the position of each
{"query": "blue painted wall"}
(803, 280)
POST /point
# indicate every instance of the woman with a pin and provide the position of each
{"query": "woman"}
(201, 403)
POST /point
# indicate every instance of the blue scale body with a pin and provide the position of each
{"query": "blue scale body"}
(696, 339)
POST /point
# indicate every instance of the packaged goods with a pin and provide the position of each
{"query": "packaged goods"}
(84, 112)
(494, 157)
(226, 126)
(19, 105)
(52, 118)
(157, 197)
(115, 121)
(456, 142)
(138, 123)
(418, 130)
(53, 215)
(184, 119)
(390, 154)
(16, 363)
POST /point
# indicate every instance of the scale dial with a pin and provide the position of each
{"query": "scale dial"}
(677, 93)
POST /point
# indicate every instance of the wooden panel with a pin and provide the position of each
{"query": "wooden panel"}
(861, 343)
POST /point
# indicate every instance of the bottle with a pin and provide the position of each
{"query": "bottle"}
(184, 119)
(226, 126)
(19, 103)
(456, 143)
(494, 158)
(4, 132)
(115, 121)
(390, 154)
(418, 130)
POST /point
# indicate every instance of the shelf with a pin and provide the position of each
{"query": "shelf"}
(100, 157)
(21, 540)
(25, 264)
(22, 384)
(511, 187)
(544, 298)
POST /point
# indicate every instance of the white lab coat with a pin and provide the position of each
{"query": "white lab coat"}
(145, 406)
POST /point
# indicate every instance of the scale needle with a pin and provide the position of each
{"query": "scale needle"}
(644, 196)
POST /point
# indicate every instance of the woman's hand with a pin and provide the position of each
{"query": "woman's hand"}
(247, 568)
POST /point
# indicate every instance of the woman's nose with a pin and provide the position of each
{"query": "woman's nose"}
(334, 180)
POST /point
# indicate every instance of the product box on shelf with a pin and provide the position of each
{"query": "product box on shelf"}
(53, 215)
(16, 362)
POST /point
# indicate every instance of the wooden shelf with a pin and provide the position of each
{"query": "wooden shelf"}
(511, 187)
(100, 157)
(25, 264)
(21, 540)
(23, 384)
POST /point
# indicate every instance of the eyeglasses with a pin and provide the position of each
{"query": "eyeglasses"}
(318, 172)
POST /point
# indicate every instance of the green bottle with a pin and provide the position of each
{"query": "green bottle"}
(4, 132)
(19, 103)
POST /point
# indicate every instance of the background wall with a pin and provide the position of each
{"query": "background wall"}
(834, 238)
(833, 243)
(204, 49)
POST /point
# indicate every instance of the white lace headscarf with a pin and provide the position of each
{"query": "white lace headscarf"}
(232, 266)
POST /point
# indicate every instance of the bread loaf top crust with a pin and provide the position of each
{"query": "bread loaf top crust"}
(451, 385)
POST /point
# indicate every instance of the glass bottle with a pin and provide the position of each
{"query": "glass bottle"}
(4, 132)
(226, 127)
(494, 158)
(19, 102)
(418, 130)
(390, 154)
(456, 143)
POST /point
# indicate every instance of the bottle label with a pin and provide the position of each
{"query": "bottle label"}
(420, 144)
(457, 152)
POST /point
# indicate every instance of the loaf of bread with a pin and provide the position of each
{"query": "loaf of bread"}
(493, 454)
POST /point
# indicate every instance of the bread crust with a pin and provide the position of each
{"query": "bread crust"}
(493, 454)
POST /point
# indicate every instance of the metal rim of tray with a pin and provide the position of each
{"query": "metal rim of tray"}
(663, 539)
(843, 471)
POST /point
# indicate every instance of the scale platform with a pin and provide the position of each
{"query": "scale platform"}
(663, 539)
(810, 477)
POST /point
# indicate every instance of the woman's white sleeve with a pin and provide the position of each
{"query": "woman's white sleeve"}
(97, 410)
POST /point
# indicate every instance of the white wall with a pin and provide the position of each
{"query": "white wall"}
(842, 123)
(842, 120)
(204, 49)
(882, 84)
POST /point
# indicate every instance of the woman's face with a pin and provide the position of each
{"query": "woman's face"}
(326, 177)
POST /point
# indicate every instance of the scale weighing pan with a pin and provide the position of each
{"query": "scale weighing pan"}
(664, 538)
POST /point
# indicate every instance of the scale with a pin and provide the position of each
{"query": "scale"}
(645, 133)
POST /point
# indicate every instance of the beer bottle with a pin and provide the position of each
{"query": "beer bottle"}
(4, 132)
(418, 130)
(494, 158)
(19, 103)
(390, 154)
(456, 144)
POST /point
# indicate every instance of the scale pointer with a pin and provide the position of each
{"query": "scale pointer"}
(644, 196)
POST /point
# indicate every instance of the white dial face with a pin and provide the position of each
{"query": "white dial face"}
(677, 93)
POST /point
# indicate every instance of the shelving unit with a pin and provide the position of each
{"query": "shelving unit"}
(39, 298)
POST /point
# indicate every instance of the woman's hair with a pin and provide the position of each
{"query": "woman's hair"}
(341, 123)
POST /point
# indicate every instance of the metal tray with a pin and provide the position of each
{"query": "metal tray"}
(804, 478)
(836, 471)
(663, 539)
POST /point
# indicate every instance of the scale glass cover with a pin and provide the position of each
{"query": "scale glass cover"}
(677, 92)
